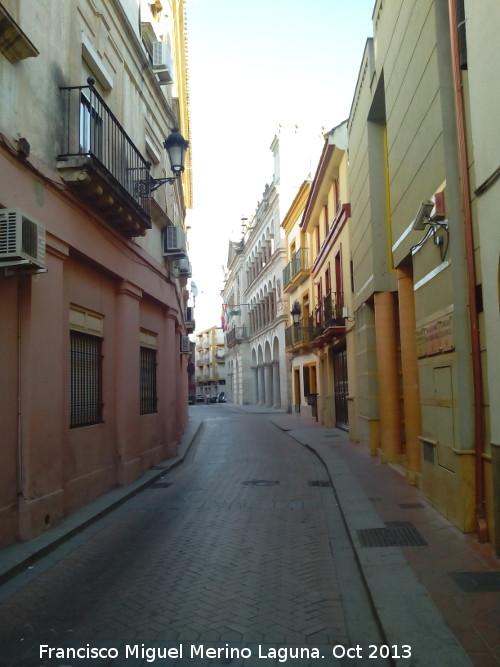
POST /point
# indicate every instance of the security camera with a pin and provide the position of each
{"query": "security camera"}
(423, 215)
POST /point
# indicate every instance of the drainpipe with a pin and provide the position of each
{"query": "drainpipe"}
(482, 526)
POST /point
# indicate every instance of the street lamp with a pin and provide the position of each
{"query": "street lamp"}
(176, 147)
(295, 313)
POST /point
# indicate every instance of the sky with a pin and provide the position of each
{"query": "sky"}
(253, 65)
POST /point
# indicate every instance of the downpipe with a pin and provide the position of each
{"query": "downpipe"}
(482, 525)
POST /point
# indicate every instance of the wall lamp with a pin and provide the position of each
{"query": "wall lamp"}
(435, 223)
(296, 313)
(176, 147)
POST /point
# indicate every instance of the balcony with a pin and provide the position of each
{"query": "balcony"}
(101, 164)
(297, 270)
(189, 320)
(328, 321)
(236, 335)
(298, 335)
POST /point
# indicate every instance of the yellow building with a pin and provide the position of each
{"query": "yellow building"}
(417, 294)
(317, 279)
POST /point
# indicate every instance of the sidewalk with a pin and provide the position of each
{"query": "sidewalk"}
(19, 556)
(419, 592)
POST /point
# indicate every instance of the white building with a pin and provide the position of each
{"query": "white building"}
(256, 309)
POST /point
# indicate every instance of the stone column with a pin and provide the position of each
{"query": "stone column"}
(409, 363)
(276, 385)
(261, 385)
(255, 385)
(388, 378)
(268, 387)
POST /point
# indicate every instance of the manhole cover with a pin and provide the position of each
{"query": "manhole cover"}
(477, 582)
(319, 482)
(261, 482)
(160, 485)
(395, 534)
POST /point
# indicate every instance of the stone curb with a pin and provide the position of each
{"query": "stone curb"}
(19, 556)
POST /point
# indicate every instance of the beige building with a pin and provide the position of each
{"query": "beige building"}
(210, 362)
(93, 261)
(481, 95)
(317, 279)
(419, 319)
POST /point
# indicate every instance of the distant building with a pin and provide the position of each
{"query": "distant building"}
(93, 261)
(317, 278)
(210, 364)
(256, 307)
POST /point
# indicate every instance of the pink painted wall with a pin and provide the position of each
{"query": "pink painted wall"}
(56, 469)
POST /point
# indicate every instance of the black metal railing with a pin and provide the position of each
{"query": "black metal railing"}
(300, 333)
(92, 130)
(328, 315)
(235, 335)
(333, 305)
(298, 263)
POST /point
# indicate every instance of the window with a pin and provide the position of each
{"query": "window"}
(148, 395)
(90, 128)
(86, 379)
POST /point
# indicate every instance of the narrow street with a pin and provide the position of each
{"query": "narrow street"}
(234, 549)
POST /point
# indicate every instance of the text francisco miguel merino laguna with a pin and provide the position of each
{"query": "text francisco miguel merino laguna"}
(192, 651)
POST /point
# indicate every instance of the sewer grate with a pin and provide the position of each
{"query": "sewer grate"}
(477, 582)
(410, 506)
(261, 482)
(160, 485)
(395, 534)
(320, 482)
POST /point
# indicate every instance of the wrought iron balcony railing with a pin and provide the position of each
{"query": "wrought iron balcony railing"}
(333, 305)
(298, 264)
(329, 315)
(298, 334)
(93, 132)
(236, 335)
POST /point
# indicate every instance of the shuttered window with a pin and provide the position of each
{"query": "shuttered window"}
(85, 380)
(148, 381)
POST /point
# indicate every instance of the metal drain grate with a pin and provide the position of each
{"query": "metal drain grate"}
(320, 482)
(395, 534)
(160, 485)
(261, 482)
(477, 582)
(410, 506)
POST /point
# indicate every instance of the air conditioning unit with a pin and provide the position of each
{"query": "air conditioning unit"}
(185, 345)
(22, 241)
(162, 62)
(184, 268)
(174, 243)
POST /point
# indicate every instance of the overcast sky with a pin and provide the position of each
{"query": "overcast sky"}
(254, 64)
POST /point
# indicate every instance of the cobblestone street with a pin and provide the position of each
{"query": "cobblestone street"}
(242, 545)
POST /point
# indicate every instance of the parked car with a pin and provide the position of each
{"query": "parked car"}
(199, 398)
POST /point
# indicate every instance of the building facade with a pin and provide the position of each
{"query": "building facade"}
(257, 306)
(92, 252)
(324, 300)
(417, 265)
(210, 364)
(476, 79)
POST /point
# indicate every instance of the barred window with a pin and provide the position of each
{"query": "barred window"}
(148, 381)
(86, 379)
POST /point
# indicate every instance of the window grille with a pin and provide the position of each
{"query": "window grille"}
(86, 380)
(148, 381)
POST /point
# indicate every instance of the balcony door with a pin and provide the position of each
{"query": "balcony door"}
(341, 388)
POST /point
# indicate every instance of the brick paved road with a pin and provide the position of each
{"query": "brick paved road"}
(232, 548)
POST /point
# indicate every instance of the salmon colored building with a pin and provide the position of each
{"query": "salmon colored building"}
(93, 344)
